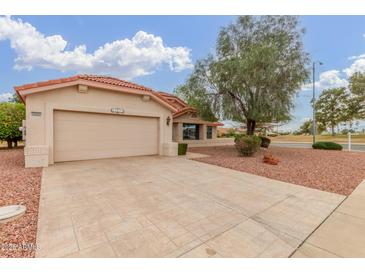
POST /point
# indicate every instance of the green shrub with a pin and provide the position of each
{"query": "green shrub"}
(11, 116)
(247, 145)
(239, 136)
(265, 142)
(327, 145)
(182, 148)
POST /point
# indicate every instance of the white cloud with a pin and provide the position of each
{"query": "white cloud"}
(356, 57)
(328, 79)
(357, 66)
(5, 97)
(126, 58)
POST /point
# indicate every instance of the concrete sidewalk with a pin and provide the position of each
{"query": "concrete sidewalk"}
(343, 233)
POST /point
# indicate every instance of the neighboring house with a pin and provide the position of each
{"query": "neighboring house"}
(90, 117)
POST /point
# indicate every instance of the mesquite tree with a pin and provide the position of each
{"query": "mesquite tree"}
(258, 67)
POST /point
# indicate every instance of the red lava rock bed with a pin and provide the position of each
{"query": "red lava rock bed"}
(18, 186)
(334, 171)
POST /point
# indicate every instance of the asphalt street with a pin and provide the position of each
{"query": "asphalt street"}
(357, 147)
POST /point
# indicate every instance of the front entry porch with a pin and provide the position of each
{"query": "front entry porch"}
(187, 132)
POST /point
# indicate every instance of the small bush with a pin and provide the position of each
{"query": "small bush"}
(182, 148)
(239, 136)
(265, 142)
(247, 145)
(272, 135)
(327, 145)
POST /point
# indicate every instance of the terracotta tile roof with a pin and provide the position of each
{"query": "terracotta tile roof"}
(174, 100)
(216, 124)
(95, 78)
(183, 111)
(178, 104)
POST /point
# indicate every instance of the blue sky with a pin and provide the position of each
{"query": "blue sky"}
(158, 51)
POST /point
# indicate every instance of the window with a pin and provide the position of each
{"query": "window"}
(190, 132)
(209, 132)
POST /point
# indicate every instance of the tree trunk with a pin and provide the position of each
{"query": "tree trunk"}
(251, 125)
(15, 143)
(333, 130)
(10, 143)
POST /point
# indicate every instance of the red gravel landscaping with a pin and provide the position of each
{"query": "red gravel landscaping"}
(334, 171)
(18, 186)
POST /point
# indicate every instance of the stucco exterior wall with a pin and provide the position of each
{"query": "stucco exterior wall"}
(40, 110)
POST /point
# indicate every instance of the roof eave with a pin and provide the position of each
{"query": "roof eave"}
(184, 111)
(25, 92)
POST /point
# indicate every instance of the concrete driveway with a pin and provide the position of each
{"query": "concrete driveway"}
(172, 207)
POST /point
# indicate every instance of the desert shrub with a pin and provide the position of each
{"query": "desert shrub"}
(182, 148)
(247, 145)
(239, 136)
(327, 146)
(265, 142)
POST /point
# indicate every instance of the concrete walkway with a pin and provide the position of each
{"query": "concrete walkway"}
(172, 207)
(343, 233)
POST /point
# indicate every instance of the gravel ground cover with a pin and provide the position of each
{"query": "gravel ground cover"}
(334, 171)
(18, 186)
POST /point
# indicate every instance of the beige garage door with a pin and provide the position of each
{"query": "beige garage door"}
(82, 135)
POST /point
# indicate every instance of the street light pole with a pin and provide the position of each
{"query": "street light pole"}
(314, 101)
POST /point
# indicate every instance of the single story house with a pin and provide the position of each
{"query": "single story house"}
(91, 117)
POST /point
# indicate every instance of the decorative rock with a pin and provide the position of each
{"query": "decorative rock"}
(269, 159)
(328, 170)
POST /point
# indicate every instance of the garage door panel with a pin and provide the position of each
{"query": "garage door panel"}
(102, 144)
(81, 135)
